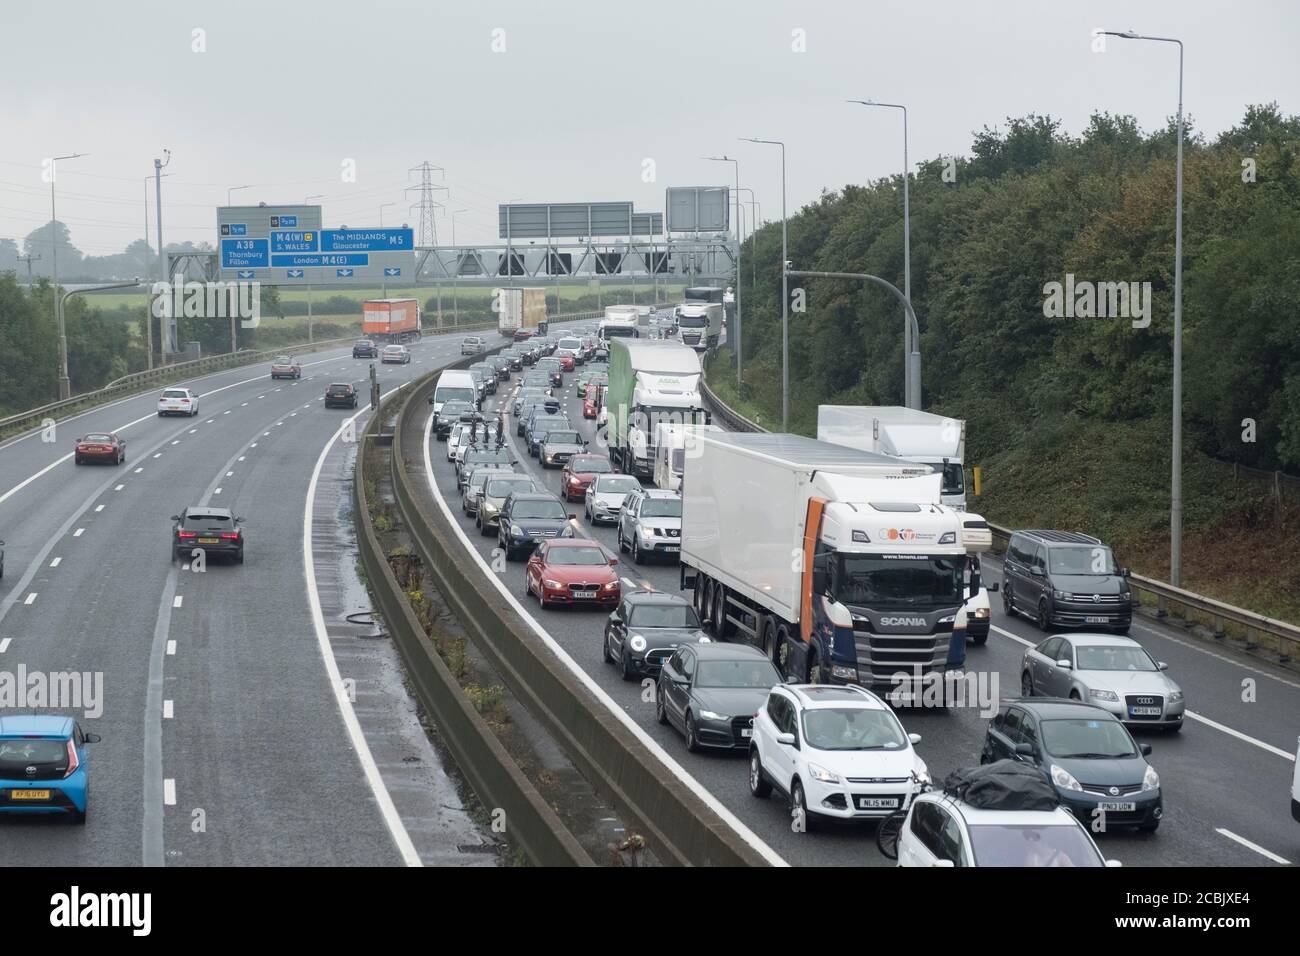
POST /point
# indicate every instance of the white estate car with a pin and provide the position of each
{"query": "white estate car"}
(178, 401)
(836, 751)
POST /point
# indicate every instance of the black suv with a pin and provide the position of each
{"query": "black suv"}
(1065, 579)
(365, 349)
(530, 517)
(340, 394)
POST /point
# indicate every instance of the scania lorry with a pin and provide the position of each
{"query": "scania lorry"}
(834, 561)
(650, 382)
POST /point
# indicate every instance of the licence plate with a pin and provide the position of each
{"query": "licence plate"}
(747, 731)
(672, 548)
(1144, 711)
(877, 803)
(1117, 806)
(584, 594)
(1096, 620)
(209, 540)
(29, 794)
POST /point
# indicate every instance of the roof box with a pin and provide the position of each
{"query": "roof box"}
(1002, 785)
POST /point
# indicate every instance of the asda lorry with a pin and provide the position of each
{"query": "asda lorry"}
(834, 561)
(650, 382)
(907, 433)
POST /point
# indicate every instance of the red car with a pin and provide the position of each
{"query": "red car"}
(572, 571)
(579, 472)
(590, 403)
(100, 446)
(566, 362)
(523, 335)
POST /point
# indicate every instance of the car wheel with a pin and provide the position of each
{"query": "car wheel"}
(1074, 695)
(661, 714)
(484, 530)
(692, 739)
(239, 556)
(888, 832)
(79, 816)
(76, 460)
(541, 598)
(622, 545)
(1008, 604)
(758, 784)
(1026, 685)
(605, 655)
(799, 806)
(979, 640)
(1043, 621)
(637, 556)
(625, 665)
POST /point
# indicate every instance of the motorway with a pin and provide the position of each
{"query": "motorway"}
(1225, 777)
(244, 720)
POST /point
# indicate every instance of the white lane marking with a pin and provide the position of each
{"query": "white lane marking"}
(158, 454)
(167, 710)
(396, 827)
(30, 598)
(178, 600)
(1189, 714)
(1220, 657)
(242, 404)
(169, 791)
(171, 648)
(209, 421)
(1252, 846)
(99, 508)
(241, 457)
(176, 442)
(677, 770)
(226, 412)
(4, 644)
(229, 473)
(138, 470)
(78, 533)
(629, 582)
(193, 430)
(264, 435)
(56, 562)
(119, 487)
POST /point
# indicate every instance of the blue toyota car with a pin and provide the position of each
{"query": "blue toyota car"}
(43, 766)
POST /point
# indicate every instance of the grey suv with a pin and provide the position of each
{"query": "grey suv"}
(1065, 579)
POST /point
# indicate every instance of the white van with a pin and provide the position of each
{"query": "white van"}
(454, 385)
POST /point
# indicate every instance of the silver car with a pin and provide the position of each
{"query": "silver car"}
(1109, 671)
(487, 512)
(474, 484)
(651, 524)
(605, 497)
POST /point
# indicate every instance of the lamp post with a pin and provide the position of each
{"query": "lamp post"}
(739, 240)
(64, 385)
(1176, 470)
(311, 329)
(785, 292)
(65, 390)
(911, 376)
(755, 215)
(235, 189)
(455, 276)
(163, 336)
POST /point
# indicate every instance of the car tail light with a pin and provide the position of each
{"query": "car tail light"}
(185, 401)
(230, 535)
(187, 534)
(73, 762)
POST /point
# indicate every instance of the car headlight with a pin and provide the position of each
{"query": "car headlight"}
(710, 715)
(1109, 695)
(551, 584)
(1150, 780)
(1126, 596)
(1175, 697)
(488, 508)
(612, 585)
(1062, 595)
(981, 613)
(515, 529)
(567, 532)
(921, 776)
(637, 643)
(1063, 778)
(822, 774)
(843, 672)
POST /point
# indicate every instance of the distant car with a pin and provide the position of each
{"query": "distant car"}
(178, 401)
(474, 484)
(1098, 769)
(838, 752)
(644, 631)
(537, 427)
(478, 456)
(605, 497)
(472, 345)
(489, 375)
(44, 766)
(523, 335)
(100, 446)
(526, 393)
(537, 379)
(579, 472)
(1109, 671)
(477, 431)
(501, 364)
(1065, 579)
(395, 355)
(650, 524)
(572, 571)
(515, 358)
(449, 415)
(493, 497)
(286, 367)
(591, 401)
(340, 395)
(365, 349)
(214, 530)
(558, 446)
(710, 692)
(528, 518)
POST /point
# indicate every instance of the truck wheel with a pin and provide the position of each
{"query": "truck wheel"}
(698, 595)
(721, 626)
(706, 605)
(767, 638)
(783, 649)
(814, 668)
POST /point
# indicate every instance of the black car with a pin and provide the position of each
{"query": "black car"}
(537, 426)
(1065, 579)
(211, 530)
(645, 629)
(449, 415)
(365, 349)
(528, 518)
(1098, 769)
(501, 364)
(710, 692)
(340, 395)
(514, 359)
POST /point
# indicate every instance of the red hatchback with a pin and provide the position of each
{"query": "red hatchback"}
(591, 402)
(566, 362)
(572, 571)
(579, 472)
(100, 446)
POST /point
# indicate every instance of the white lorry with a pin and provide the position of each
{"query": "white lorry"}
(620, 321)
(673, 442)
(906, 433)
(649, 382)
(699, 324)
(831, 560)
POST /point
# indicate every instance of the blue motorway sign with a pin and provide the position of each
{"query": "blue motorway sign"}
(392, 271)
(366, 240)
(343, 273)
(294, 241)
(284, 222)
(246, 274)
(244, 253)
(234, 229)
(293, 273)
(310, 261)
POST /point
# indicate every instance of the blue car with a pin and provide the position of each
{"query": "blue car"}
(43, 766)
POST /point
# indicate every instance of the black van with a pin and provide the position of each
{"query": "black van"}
(1065, 579)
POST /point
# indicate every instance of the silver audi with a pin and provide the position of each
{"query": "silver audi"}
(1112, 672)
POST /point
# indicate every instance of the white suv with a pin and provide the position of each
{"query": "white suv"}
(941, 830)
(836, 751)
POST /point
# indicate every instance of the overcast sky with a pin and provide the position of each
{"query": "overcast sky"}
(582, 95)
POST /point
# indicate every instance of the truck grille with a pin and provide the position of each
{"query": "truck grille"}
(883, 655)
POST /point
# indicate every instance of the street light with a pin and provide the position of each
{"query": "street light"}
(235, 189)
(911, 376)
(65, 387)
(310, 198)
(785, 292)
(1176, 471)
(455, 276)
(739, 242)
(382, 207)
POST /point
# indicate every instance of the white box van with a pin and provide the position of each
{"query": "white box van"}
(454, 385)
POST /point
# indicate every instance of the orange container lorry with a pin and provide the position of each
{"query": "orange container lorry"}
(391, 320)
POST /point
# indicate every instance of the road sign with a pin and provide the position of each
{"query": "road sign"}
(285, 245)
(244, 253)
(284, 222)
(343, 273)
(234, 229)
(366, 240)
(294, 273)
(295, 241)
(392, 271)
(247, 274)
(317, 260)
